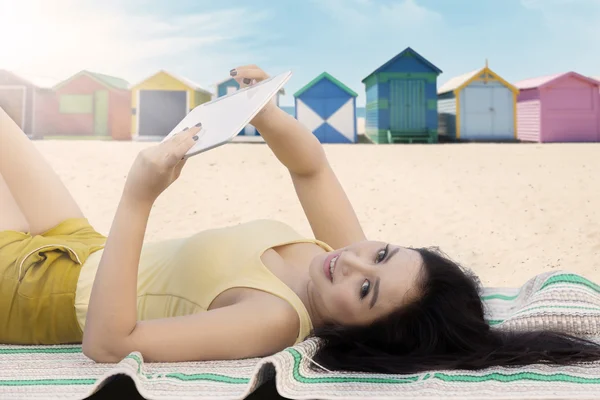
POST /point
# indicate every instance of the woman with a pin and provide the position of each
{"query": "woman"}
(244, 291)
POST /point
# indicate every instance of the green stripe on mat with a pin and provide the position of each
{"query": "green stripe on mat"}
(494, 376)
(518, 376)
(37, 350)
(52, 382)
(190, 377)
(341, 379)
(563, 278)
(499, 297)
(90, 381)
(571, 278)
(207, 377)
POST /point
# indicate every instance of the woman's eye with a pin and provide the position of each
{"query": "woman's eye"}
(381, 254)
(364, 289)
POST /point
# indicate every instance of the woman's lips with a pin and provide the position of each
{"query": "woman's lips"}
(326, 265)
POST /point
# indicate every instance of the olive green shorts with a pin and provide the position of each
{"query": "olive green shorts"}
(38, 279)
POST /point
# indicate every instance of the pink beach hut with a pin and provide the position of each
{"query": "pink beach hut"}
(559, 108)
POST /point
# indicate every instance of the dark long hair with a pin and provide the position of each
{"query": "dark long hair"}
(443, 328)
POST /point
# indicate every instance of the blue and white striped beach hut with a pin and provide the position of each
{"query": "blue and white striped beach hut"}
(328, 108)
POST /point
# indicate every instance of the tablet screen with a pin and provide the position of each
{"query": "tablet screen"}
(224, 117)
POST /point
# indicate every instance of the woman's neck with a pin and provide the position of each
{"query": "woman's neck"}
(302, 285)
(298, 258)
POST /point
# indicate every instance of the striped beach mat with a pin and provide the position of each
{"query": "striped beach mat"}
(554, 300)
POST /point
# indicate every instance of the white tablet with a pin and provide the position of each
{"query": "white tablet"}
(224, 117)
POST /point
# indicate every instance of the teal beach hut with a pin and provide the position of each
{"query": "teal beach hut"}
(401, 100)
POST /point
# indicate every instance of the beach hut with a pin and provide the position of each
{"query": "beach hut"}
(328, 108)
(92, 104)
(402, 100)
(559, 108)
(596, 78)
(230, 85)
(161, 101)
(23, 99)
(226, 87)
(41, 109)
(479, 105)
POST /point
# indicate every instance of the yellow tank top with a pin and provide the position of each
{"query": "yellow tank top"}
(183, 276)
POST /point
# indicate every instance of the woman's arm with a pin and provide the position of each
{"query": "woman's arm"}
(112, 312)
(291, 142)
(323, 199)
(112, 330)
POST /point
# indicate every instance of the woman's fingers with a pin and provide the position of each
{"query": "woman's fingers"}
(180, 136)
(246, 74)
(187, 141)
(179, 144)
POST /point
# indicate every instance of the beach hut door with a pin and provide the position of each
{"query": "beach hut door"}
(101, 112)
(478, 105)
(502, 113)
(408, 106)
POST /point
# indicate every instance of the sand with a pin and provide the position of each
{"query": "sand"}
(507, 211)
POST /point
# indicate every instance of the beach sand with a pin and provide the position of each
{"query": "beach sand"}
(506, 211)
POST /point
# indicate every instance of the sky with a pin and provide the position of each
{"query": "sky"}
(203, 39)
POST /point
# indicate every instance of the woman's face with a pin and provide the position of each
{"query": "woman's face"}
(369, 280)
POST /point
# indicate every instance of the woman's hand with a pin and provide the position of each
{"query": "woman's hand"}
(248, 75)
(157, 167)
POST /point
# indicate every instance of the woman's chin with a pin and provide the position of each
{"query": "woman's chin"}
(315, 270)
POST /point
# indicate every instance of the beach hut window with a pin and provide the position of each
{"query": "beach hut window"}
(76, 104)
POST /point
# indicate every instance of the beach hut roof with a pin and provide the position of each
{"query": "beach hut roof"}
(219, 83)
(112, 82)
(223, 81)
(42, 82)
(459, 82)
(38, 81)
(402, 54)
(193, 85)
(325, 75)
(17, 77)
(547, 79)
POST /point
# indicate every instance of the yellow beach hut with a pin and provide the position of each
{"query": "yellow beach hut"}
(478, 106)
(161, 101)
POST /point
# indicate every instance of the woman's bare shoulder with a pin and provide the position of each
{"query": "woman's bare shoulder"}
(275, 306)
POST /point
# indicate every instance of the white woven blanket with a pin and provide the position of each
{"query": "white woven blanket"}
(551, 300)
